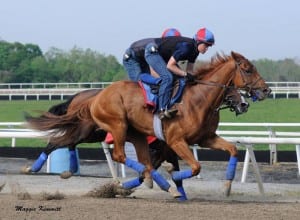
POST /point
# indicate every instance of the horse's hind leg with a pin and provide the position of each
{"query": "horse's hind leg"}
(40, 161)
(73, 167)
(220, 144)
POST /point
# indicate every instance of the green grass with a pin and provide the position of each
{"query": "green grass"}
(12, 111)
(267, 111)
(270, 110)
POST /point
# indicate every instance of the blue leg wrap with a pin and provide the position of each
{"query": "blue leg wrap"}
(182, 192)
(180, 175)
(73, 161)
(37, 165)
(132, 183)
(135, 165)
(230, 172)
(160, 180)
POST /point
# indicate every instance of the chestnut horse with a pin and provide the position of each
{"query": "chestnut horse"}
(120, 110)
(159, 151)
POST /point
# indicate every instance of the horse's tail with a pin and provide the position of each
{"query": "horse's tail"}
(62, 129)
(61, 108)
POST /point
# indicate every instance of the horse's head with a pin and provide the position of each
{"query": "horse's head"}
(235, 101)
(249, 79)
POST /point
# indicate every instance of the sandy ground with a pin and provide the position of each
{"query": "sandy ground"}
(44, 196)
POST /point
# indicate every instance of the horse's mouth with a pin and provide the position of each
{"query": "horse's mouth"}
(260, 94)
(241, 108)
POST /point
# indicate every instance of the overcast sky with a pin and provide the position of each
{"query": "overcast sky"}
(255, 28)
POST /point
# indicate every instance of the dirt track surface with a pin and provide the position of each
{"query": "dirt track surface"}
(141, 208)
(23, 196)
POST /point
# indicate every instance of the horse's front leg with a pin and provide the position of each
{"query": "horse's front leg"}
(171, 157)
(142, 151)
(119, 156)
(219, 143)
(160, 152)
(182, 149)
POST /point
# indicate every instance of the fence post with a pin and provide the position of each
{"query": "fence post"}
(272, 147)
(298, 157)
(255, 167)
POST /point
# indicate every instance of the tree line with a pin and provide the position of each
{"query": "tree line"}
(26, 63)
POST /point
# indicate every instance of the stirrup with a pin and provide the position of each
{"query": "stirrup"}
(167, 113)
(161, 115)
(170, 113)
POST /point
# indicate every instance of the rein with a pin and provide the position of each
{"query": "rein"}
(223, 86)
(247, 87)
(208, 83)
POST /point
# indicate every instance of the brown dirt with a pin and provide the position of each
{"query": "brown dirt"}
(83, 207)
(50, 197)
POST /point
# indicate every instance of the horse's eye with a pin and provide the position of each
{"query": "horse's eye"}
(248, 71)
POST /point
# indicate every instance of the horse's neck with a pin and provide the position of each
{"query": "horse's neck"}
(213, 84)
(221, 74)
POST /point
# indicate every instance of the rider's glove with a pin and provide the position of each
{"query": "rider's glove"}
(189, 78)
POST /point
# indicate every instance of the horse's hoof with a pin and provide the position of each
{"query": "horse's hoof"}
(148, 182)
(227, 189)
(26, 170)
(119, 190)
(174, 192)
(66, 175)
(168, 166)
(116, 182)
(2, 186)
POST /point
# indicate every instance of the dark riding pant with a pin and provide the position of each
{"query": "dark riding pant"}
(133, 66)
(155, 61)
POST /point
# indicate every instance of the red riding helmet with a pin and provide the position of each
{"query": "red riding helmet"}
(204, 36)
(170, 32)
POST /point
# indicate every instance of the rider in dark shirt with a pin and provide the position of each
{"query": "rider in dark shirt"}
(163, 55)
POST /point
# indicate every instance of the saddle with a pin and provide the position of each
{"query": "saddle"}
(150, 87)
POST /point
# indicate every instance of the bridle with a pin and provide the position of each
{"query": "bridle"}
(228, 102)
(247, 86)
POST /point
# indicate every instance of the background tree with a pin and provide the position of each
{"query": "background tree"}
(26, 63)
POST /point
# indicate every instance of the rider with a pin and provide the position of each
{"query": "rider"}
(136, 64)
(162, 55)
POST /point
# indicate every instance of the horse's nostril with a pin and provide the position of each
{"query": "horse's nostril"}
(244, 104)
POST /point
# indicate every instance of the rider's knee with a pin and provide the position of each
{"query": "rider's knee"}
(151, 48)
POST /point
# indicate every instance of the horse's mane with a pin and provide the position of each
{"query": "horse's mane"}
(217, 60)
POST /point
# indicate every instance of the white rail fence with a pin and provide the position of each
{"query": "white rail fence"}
(253, 137)
(49, 91)
(61, 90)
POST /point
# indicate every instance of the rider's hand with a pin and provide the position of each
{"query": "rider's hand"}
(189, 78)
